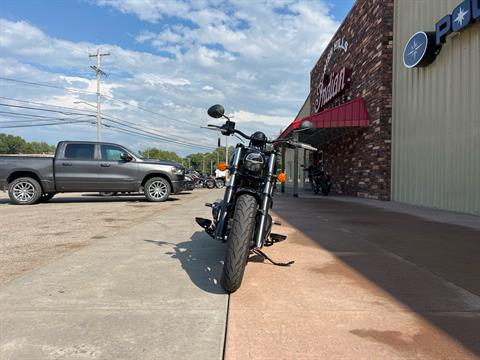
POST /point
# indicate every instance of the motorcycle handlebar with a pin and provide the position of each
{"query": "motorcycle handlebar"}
(279, 141)
(224, 129)
(294, 144)
(307, 147)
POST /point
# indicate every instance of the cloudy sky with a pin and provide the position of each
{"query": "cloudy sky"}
(169, 60)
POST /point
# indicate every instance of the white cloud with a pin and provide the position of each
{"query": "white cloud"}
(254, 57)
(242, 117)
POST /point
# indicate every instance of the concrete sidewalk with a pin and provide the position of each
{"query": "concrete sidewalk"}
(367, 283)
(150, 292)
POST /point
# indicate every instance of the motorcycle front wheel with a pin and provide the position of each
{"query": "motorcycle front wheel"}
(239, 241)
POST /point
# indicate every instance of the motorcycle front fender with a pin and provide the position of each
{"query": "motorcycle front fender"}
(249, 191)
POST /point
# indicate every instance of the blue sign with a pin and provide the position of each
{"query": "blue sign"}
(422, 48)
(415, 49)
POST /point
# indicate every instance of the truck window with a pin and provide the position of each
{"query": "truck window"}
(112, 153)
(80, 151)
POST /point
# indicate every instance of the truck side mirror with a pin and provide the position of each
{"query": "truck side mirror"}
(126, 157)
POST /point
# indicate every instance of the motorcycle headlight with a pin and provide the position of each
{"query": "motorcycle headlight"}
(254, 162)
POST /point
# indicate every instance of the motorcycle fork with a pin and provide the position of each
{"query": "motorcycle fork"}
(227, 198)
(265, 203)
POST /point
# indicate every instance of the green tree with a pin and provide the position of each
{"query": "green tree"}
(41, 147)
(10, 144)
(154, 153)
(207, 162)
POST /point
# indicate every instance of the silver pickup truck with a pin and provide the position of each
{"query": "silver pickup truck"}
(88, 167)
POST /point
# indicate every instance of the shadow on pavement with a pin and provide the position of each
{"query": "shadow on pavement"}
(201, 258)
(432, 268)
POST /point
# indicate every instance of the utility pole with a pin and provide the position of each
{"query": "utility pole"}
(98, 72)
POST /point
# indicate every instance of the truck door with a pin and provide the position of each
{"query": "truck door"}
(77, 169)
(116, 174)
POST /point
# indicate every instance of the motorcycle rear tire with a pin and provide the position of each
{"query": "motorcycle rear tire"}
(239, 242)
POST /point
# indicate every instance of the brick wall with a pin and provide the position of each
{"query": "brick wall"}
(359, 161)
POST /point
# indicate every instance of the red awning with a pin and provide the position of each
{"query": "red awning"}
(350, 114)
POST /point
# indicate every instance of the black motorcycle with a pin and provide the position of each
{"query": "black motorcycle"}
(242, 219)
(319, 179)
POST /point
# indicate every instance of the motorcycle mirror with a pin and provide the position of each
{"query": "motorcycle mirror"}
(216, 111)
(307, 126)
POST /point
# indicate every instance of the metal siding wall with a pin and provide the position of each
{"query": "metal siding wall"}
(436, 114)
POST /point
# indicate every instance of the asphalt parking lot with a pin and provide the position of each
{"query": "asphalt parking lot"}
(35, 235)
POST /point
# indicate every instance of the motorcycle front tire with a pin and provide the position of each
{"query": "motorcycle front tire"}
(239, 241)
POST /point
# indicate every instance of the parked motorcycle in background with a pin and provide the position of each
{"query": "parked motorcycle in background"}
(201, 181)
(319, 179)
(242, 218)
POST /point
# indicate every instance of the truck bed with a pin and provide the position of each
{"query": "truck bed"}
(41, 166)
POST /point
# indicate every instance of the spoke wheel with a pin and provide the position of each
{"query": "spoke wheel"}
(157, 189)
(24, 191)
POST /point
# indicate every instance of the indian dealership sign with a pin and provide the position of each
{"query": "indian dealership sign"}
(423, 46)
(330, 86)
(339, 44)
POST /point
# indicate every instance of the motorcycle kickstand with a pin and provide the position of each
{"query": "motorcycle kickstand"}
(261, 253)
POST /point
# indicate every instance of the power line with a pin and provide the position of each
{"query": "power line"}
(43, 104)
(164, 138)
(75, 109)
(36, 121)
(130, 132)
(181, 141)
(105, 96)
(151, 112)
(46, 124)
(48, 110)
(46, 85)
(148, 128)
(34, 116)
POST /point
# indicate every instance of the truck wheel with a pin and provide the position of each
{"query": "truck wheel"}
(157, 189)
(239, 242)
(24, 191)
(46, 196)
